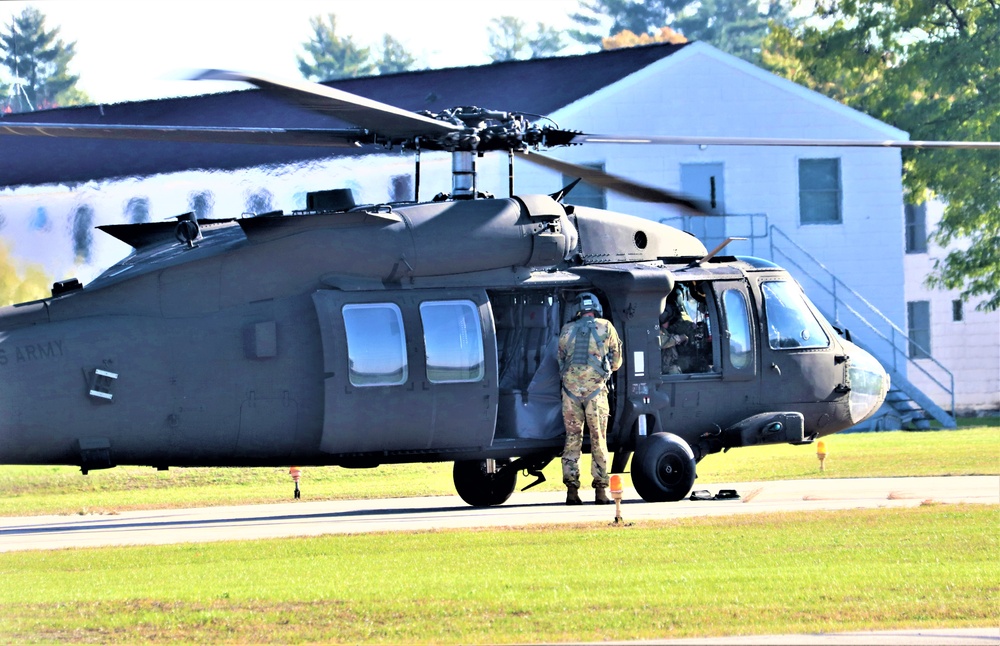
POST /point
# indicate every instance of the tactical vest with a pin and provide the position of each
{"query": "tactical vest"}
(586, 329)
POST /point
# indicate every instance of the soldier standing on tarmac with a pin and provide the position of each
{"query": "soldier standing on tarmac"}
(589, 351)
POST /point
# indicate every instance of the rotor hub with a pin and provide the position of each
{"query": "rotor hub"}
(483, 130)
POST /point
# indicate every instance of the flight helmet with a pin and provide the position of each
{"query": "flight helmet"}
(587, 302)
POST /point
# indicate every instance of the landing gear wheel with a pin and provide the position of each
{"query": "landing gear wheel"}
(663, 468)
(482, 489)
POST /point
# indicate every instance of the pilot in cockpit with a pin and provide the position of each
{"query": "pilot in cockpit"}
(685, 332)
(671, 321)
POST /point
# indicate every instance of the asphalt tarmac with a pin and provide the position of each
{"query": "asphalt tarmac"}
(312, 518)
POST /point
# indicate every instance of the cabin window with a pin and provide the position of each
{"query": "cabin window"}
(918, 320)
(584, 194)
(791, 324)
(376, 344)
(916, 228)
(819, 191)
(453, 340)
(738, 324)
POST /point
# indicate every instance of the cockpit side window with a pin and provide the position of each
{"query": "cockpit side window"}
(790, 323)
(685, 331)
(738, 326)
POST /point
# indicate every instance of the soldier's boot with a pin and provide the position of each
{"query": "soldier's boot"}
(601, 498)
(573, 496)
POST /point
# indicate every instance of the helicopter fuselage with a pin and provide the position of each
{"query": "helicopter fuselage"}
(411, 333)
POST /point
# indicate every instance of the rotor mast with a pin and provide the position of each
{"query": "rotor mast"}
(463, 175)
(478, 131)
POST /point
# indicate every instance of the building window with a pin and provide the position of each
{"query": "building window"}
(918, 321)
(401, 188)
(453, 340)
(916, 228)
(137, 210)
(819, 191)
(957, 313)
(584, 194)
(376, 344)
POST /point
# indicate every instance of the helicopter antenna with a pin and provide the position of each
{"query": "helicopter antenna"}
(564, 191)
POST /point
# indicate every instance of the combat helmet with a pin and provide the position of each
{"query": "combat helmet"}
(587, 302)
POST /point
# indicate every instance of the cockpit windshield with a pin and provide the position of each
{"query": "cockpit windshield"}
(790, 322)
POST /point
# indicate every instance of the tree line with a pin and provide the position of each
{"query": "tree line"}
(929, 68)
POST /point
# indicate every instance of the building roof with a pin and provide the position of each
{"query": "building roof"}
(539, 86)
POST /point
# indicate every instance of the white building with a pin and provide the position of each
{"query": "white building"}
(946, 330)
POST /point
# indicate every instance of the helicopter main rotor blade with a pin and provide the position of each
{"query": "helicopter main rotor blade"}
(380, 118)
(615, 183)
(193, 134)
(752, 141)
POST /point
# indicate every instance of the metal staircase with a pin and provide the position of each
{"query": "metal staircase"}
(907, 406)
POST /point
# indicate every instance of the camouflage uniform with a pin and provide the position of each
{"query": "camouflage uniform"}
(585, 395)
(668, 349)
(674, 331)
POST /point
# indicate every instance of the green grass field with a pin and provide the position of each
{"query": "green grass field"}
(31, 490)
(930, 566)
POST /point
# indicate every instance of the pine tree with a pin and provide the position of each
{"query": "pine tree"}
(333, 57)
(510, 40)
(38, 60)
(394, 57)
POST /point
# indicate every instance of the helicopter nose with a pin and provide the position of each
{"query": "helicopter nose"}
(869, 384)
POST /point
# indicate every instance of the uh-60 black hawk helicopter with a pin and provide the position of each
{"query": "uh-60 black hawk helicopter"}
(415, 332)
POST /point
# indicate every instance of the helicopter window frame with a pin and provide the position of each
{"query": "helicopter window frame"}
(787, 309)
(453, 337)
(376, 344)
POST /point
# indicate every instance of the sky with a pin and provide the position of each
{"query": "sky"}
(133, 50)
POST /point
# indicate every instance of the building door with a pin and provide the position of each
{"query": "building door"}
(704, 182)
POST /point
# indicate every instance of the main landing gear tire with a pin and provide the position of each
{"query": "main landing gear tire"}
(482, 489)
(663, 468)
